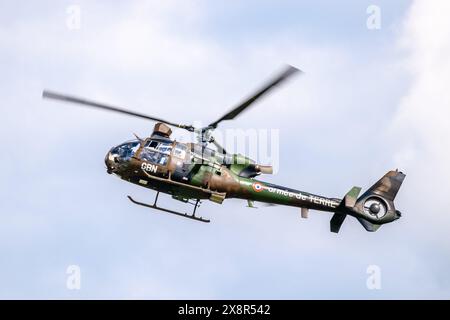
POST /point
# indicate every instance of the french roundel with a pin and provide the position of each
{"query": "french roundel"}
(257, 187)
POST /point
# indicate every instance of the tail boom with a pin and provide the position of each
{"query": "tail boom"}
(270, 193)
(374, 208)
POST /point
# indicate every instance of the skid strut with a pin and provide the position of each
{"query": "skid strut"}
(181, 214)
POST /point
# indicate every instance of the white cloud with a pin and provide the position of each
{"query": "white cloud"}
(162, 60)
(421, 127)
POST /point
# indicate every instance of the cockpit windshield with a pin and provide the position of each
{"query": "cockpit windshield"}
(126, 150)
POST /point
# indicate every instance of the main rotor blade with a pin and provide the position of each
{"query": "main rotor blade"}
(287, 72)
(72, 99)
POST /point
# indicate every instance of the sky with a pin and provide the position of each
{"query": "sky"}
(370, 100)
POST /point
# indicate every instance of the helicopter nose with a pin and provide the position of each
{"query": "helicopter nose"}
(109, 161)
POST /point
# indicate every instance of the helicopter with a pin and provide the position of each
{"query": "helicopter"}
(193, 172)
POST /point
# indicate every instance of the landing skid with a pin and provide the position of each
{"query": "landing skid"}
(184, 215)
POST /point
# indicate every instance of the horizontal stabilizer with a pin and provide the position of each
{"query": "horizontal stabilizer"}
(336, 221)
(348, 202)
(351, 197)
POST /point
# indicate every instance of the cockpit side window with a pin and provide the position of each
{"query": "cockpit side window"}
(156, 152)
(153, 144)
(180, 151)
(154, 157)
(164, 147)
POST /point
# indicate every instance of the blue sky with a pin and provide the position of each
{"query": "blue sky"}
(369, 101)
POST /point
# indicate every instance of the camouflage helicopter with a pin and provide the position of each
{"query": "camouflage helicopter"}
(191, 172)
